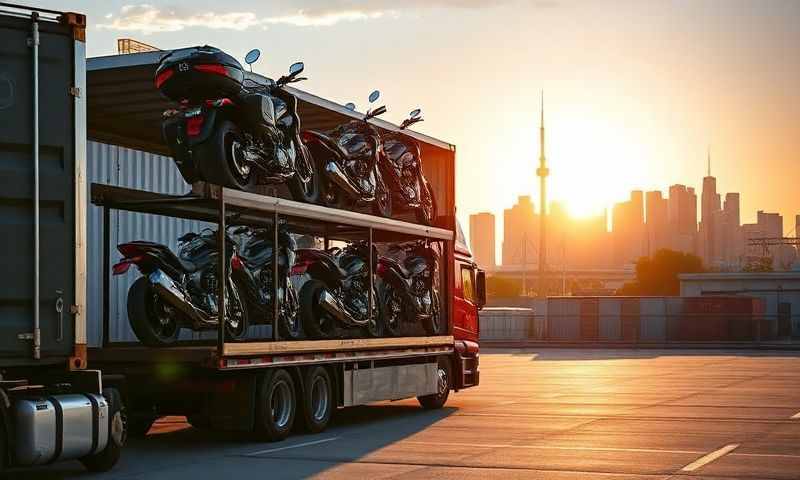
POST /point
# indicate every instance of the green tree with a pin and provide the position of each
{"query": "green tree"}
(761, 264)
(658, 275)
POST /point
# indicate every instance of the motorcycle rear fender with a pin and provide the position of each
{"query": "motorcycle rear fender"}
(258, 109)
(319, 266)
(390, 274)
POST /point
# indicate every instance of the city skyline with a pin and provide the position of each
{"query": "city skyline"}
(703, 225)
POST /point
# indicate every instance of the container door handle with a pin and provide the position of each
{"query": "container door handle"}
(60, 312)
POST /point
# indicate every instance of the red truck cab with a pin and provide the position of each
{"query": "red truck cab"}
(469, 297)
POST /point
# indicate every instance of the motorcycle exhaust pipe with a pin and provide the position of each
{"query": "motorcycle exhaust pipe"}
(339, 178)
(333, 306)
(170, 292)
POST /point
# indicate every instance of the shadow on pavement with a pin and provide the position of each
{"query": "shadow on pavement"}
(174, 449)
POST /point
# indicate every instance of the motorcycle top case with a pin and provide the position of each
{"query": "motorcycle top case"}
(199, 73)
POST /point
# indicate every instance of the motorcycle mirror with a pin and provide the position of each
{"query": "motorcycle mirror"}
(374, 96)
(415, 113)
(252, 56)
(296, 68)
(350, 106)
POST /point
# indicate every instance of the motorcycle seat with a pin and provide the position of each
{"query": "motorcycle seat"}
(332, 144)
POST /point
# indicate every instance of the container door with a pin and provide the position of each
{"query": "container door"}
(57, 187)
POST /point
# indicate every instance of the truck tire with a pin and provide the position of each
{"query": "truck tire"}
(445, 383)
(221, 161)
(275, 405)
(145, 312)
(317, 402)
(316, 323)
(117, 434)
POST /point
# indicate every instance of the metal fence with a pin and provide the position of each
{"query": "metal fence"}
(627, 326)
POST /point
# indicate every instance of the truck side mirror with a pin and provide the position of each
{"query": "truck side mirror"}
(480, 288)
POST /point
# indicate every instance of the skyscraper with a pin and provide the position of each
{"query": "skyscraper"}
(709, 208)
(628, 231)
(519, 233)
(682, 214)
(656, 222)
(482, 239)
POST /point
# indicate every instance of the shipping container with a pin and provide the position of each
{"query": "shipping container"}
(610, 310)
(52, 407)
(508, 323)
(652, 319)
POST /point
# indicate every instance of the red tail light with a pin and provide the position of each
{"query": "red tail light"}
(214, 68)
(124, 265)
(164, 76)
(306, 137)
(236, 263)
(382, 269)
(194, 125)
(300, 267)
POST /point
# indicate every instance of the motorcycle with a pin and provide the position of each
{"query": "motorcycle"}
(180, 291)
(337, 292)
(407, 290)
(401, 167)
(252, 268)
(348, 157)
(230, 129)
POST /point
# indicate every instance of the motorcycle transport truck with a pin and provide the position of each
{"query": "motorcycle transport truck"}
(257, 309)
(53, 405)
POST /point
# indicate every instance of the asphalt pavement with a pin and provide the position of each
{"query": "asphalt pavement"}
(558, 414)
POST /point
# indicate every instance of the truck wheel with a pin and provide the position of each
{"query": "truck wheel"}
(221, 158)
(316, 322)
(275, 405)
(445, 383)
(153, 321)
(317, 405)
(117, 434)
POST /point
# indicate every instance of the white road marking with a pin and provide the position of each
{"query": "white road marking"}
(299, 445)
(705, 460)
(796, 416)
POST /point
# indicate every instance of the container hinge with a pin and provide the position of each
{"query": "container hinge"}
(74, 309)
(25, 336)
(75, 92)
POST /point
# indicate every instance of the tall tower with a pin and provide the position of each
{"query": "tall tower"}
(542, 172)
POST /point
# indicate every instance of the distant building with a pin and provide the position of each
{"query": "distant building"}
(482, 239)
(709, 210)
(628, 232)
(682, 215)
(656, 222)
(768, 225)
(520, 233)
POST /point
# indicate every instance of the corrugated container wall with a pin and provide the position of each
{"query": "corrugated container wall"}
(125, 167)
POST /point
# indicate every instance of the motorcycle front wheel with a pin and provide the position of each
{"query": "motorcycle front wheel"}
(291, 327)
(393, 309)
(433, 323)
(153, 321)
(376, 325)
(221, 158)
(383, 200)
(426, 213)
(237, 317)
(305, 184)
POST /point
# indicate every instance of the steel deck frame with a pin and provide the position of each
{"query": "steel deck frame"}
(218, 205)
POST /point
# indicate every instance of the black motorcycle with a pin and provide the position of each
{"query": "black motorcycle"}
(180, 291)
(348, 158)
(230, 129)
(337, 292)
(252, 268)
(401, 168)
(407, 288)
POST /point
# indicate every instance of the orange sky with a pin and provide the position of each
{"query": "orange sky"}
(635, 90)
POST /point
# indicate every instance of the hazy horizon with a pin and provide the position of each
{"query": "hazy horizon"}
(635, 91)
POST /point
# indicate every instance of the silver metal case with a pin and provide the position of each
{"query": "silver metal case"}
(60, 427)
